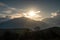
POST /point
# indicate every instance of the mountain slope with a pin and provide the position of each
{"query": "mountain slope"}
(23, 23)
(53, 21)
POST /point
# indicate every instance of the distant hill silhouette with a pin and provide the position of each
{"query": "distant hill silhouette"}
(3, 19)
(23, 22)
(53, 21)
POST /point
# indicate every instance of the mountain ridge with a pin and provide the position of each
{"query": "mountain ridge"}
(22, 22)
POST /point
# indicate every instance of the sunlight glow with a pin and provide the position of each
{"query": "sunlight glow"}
(33, 15)
(53, 15)
(16, 16)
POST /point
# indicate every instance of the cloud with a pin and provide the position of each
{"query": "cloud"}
(2, 16)
(2, 4)
(10, 11)
(15, 16)
(53, 15)
(10, 8)
(13, 13)
(54, 20)
(7, 12)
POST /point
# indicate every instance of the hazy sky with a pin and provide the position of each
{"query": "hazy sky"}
(45, 6)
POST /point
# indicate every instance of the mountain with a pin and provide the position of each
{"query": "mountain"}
(55, 21)
(23, 23)
(52, 21)
(4, 19)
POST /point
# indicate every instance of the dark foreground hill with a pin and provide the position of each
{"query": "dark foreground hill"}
(22, 23)
(47, 34)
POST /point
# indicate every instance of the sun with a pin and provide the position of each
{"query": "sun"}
(31, 13)
(34, 15)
